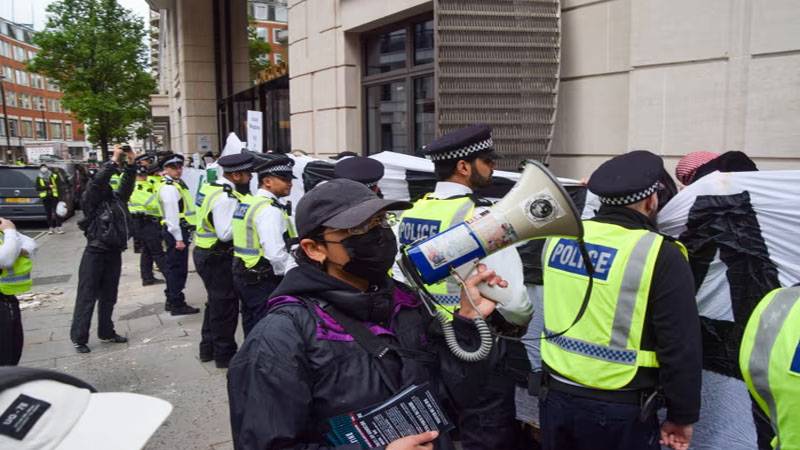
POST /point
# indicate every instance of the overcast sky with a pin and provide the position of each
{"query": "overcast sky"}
(27, 11)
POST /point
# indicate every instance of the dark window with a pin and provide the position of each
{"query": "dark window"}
(17, 178)
(423, 42)
(386, 52)
(398, 84)
(386, 111)
(424, 112)
(12, 127)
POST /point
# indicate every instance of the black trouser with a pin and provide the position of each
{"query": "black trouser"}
(10, 331)
(98, 281)
(254, 297)
(50, 204)
(177, 267)
(221, 315)
(491, 423)
(148, 232)
(579, 423)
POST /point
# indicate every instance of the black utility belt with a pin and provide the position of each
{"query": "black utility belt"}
(146, 218)
(633, 397)
(221, 248)
(256, 274)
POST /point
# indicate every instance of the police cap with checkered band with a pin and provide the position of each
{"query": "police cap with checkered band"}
(276, 165)
(627, 179)
(464, 143)
(237, 162)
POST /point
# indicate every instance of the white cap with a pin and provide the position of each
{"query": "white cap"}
(50, 415)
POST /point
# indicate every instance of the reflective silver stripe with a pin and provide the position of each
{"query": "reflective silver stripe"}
(149, 200)
(246, 251)
(769, 326)
(544, 253)
(250, 225)
(461, 213)
(208, 231)
(626, 299)
(592, 350)
(14, 279)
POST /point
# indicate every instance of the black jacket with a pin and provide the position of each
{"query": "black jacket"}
(671, 326)
(105, 212)
(287, 378)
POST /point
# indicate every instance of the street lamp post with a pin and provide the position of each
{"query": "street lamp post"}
(5, 115)
(44, 124)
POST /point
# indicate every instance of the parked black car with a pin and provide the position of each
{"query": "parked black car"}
(19, 199)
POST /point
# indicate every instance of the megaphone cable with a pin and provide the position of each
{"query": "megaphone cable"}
(484, 332)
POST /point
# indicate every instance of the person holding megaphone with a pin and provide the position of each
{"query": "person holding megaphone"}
(340, 335)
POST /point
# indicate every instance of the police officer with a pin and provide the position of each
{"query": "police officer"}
(638, 340)
(213, 257)
(145, 221)
(464, 160)
(177, 212)
(366, 171)
(15, 279)
(770, 362)
(262, 235)
(48, 183)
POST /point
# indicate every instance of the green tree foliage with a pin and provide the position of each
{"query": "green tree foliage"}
(95, 51)
(259, 51)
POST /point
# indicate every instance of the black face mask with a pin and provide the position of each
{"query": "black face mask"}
(243, 189)
(371, 254)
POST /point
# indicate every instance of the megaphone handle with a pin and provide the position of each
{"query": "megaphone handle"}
(494, 293)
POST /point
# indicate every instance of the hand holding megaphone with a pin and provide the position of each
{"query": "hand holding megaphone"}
(479, 278)
(536, 207)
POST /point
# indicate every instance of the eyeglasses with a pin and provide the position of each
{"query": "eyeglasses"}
(385, 220)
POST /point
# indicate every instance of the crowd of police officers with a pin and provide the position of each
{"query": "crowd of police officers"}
(635, 349)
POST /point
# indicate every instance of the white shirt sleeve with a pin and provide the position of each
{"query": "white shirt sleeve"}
(271, 226)
(9, 250)
(170, 197)
(222, 212)
(28, 244)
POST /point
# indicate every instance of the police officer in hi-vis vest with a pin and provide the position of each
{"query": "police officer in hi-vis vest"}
(15, 279)
(176, 209)
(213, 256)
(770, 363)
(145, 220)
(637, 346)
(464, 161)
(262, 236)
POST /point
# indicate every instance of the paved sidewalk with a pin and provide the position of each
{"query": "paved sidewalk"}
(160, 358)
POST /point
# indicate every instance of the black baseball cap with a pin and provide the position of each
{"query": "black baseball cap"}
(340, 204)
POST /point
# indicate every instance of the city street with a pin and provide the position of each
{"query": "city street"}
(160, 358)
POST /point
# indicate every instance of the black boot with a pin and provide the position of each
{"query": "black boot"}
(81, 348)
(116, 339)
(152, 282)
(183, 310)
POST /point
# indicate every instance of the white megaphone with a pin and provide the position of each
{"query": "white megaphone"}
(536, 207)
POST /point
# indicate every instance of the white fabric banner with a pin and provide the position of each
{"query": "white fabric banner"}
(725, 417)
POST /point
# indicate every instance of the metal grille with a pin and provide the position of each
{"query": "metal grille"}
(498, 63)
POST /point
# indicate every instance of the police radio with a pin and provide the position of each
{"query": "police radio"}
(536, 207)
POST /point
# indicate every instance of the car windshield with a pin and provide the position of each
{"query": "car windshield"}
(17, 178)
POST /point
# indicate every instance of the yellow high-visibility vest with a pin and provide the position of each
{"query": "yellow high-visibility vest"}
(603, 350)
(770, 361)
(16, 279)
(430, 216)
